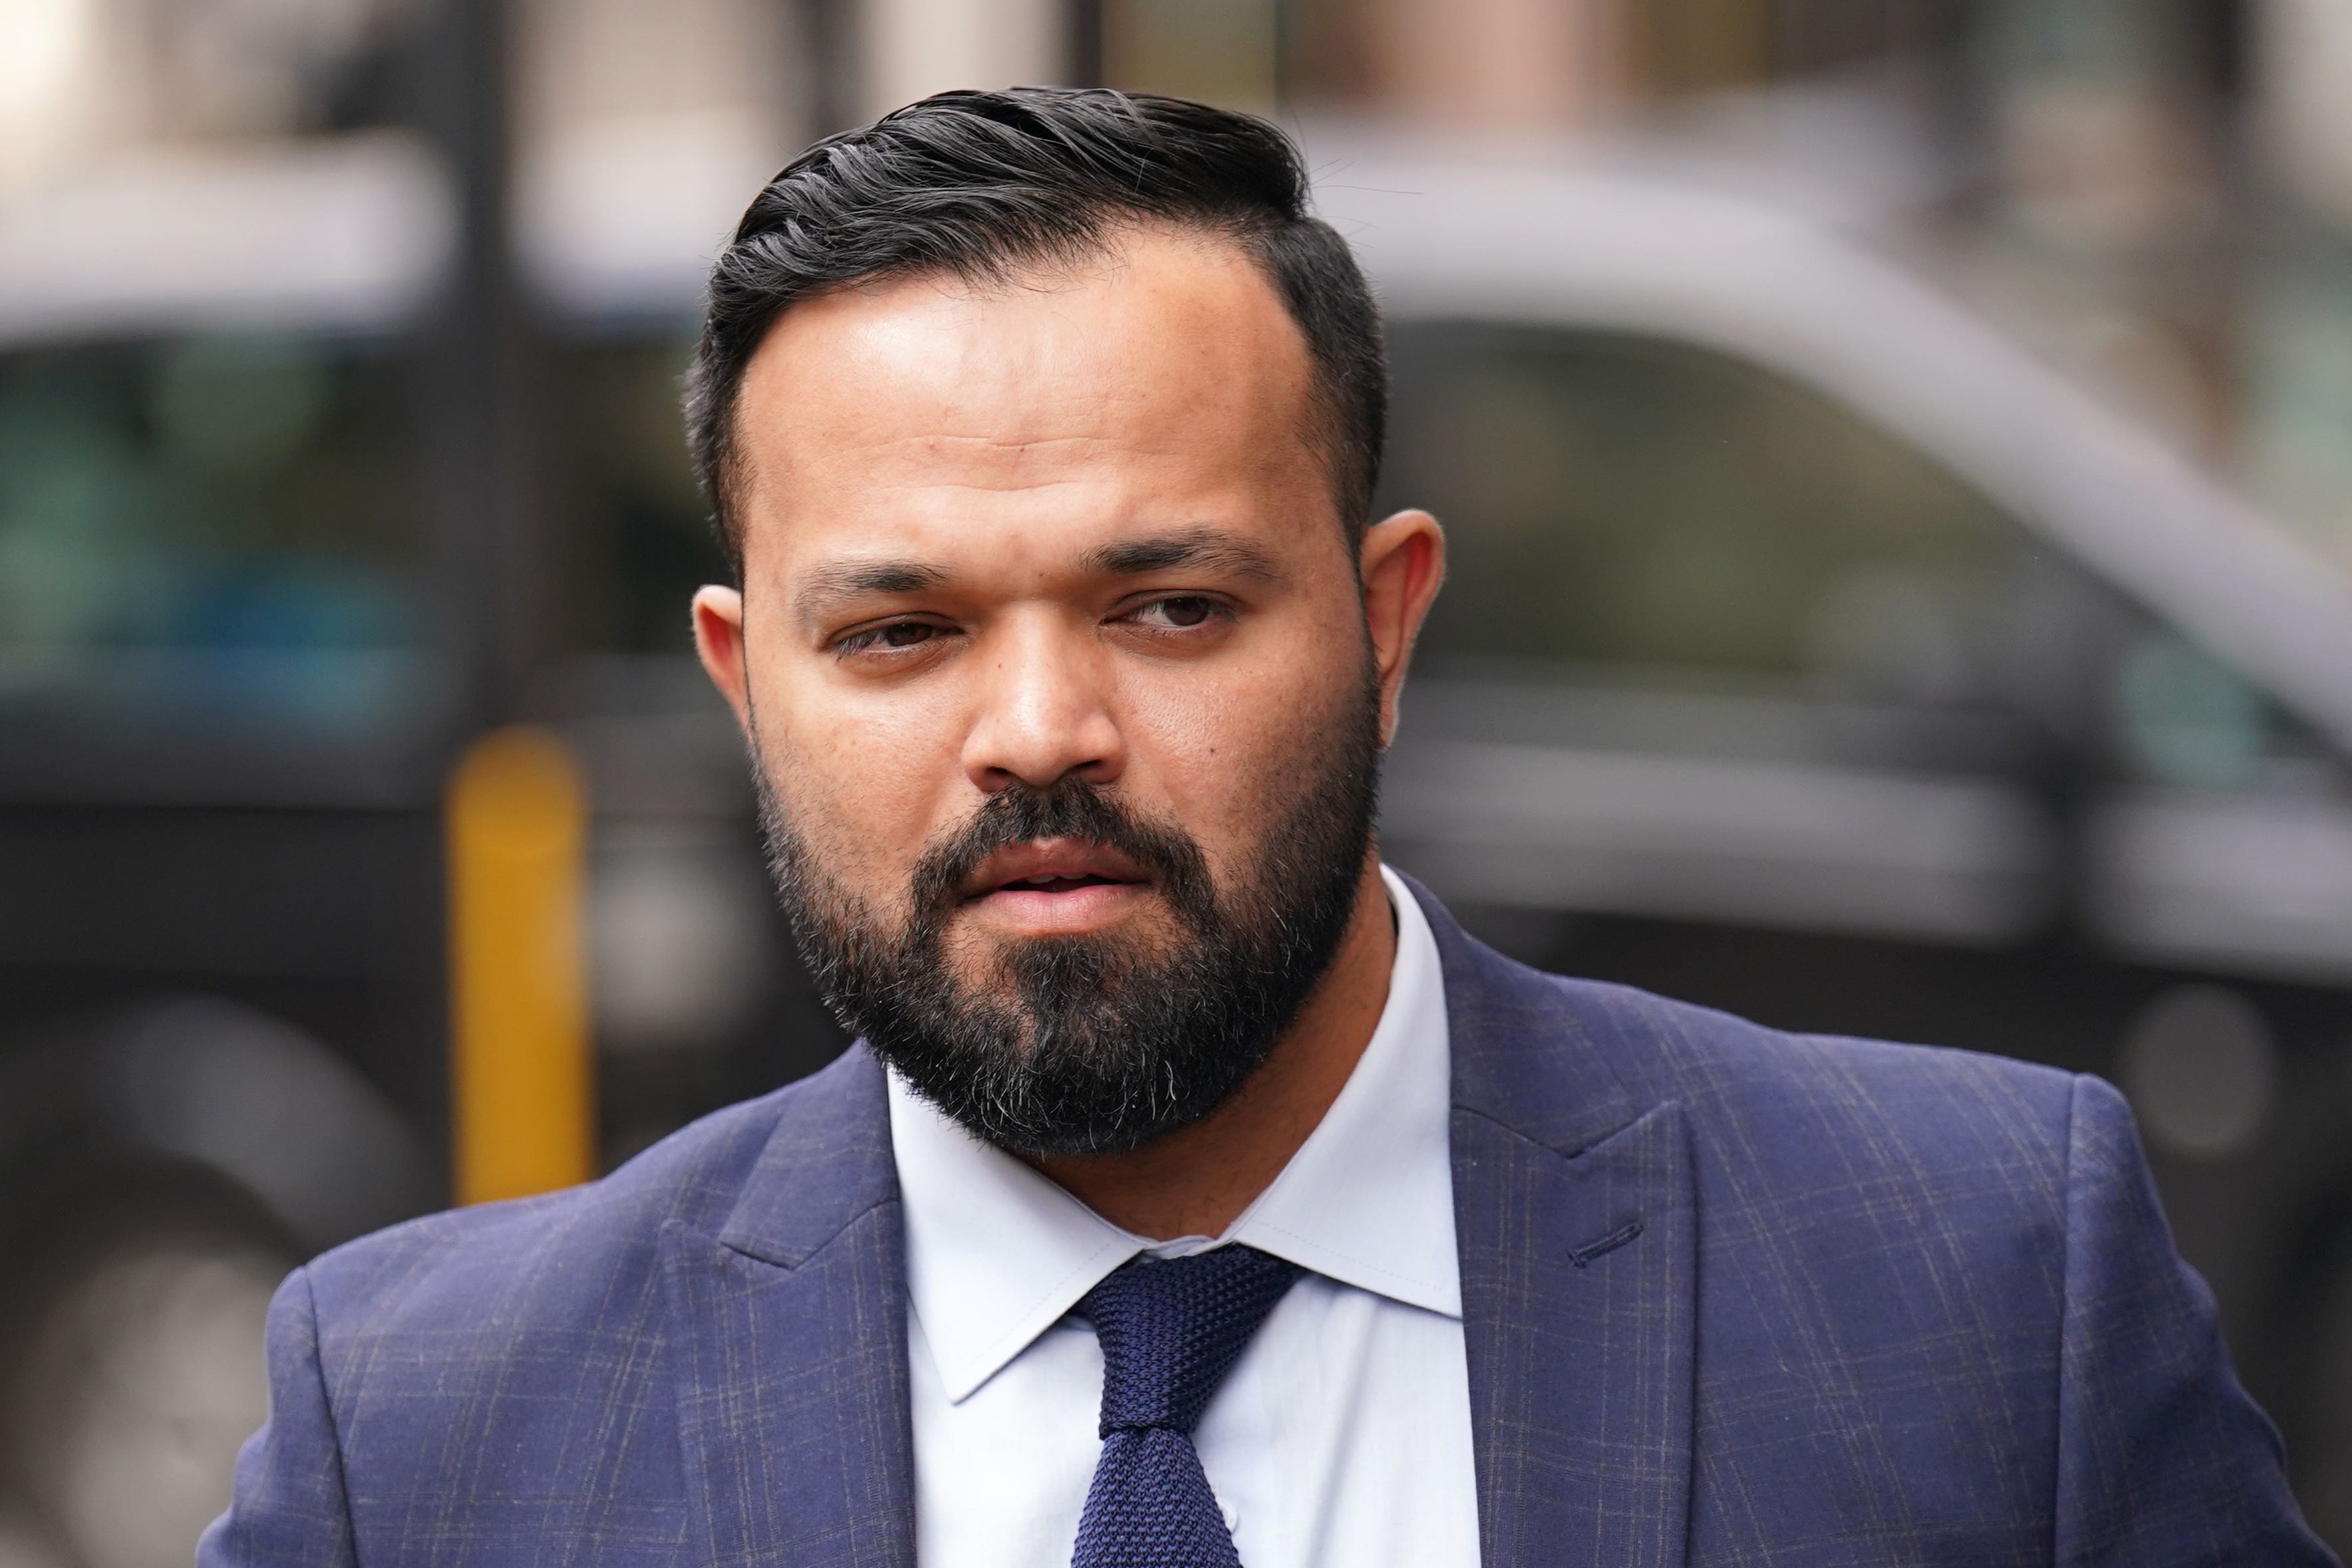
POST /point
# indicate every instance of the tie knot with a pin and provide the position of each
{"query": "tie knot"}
(1171, 1328)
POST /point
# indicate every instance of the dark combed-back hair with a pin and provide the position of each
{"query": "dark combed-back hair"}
(984, 185)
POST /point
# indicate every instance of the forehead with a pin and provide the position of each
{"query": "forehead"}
(1162, 373)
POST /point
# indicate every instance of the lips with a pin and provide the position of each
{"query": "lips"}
(1052, 866)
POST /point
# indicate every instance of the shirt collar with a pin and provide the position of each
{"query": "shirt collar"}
(996, 1253)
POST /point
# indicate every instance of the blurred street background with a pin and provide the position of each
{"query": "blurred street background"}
(1898, 456)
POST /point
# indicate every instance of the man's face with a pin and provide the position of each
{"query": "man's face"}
(1056, 668)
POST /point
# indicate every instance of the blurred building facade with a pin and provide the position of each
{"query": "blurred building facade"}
(339, 355)
(2164, 188)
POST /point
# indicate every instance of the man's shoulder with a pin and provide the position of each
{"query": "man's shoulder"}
(539, 1262)
(1900, 1179)
(1718, 1061)
(1752, 1093)
(1819, 1109)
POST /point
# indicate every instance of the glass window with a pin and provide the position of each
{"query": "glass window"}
(1634, 511)
(633, 514)
(1629, 502)
(229, 515)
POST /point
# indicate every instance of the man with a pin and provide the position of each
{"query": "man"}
(1198, 1193)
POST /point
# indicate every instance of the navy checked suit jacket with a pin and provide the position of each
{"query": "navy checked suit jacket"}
(1730, 1296)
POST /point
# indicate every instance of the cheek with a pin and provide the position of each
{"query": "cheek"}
(866, 788)
(1229, 753)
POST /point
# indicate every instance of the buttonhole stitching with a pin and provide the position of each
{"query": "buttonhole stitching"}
(1584, 1255)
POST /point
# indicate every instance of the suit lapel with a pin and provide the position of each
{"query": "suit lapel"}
(794, 1412)
(1573, 1214)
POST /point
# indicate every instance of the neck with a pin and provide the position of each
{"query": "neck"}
(1196, 1181)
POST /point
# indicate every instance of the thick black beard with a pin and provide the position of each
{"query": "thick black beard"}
(1094, 1045)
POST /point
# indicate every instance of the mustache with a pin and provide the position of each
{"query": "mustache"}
(1067, 808)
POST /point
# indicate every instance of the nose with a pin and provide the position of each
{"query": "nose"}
(1043, 710)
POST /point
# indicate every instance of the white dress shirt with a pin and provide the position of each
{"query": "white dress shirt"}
(1341, 1440)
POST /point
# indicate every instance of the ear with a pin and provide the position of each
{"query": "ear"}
(1401, 565)
(719, 638)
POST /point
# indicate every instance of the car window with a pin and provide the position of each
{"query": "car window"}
(228, 518)
(1622, 501)
(638, 530)
(1631, 512)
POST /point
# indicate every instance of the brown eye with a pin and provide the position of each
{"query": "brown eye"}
(896, 637)
(1186, 612)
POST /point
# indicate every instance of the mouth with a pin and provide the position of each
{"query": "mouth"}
(1060, 882)
(1056, 885)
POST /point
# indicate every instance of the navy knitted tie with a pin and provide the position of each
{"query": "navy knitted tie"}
(1170, 1330)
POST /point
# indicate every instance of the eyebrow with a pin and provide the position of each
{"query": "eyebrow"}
(1211, 548)
(831, 584)
(1206, 547)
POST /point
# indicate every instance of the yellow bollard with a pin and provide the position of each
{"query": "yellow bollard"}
(522, 1099)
